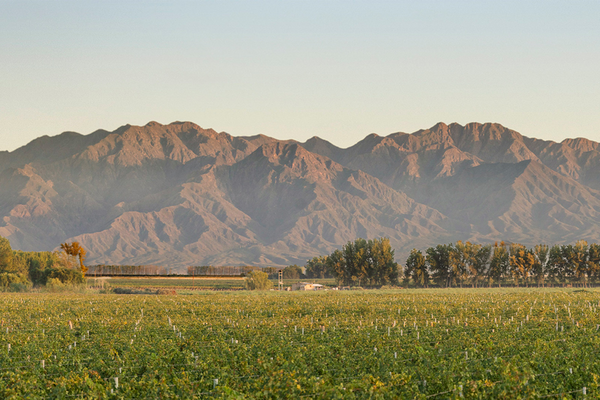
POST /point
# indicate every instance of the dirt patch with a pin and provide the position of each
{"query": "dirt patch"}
(144, 291)
(166, 292)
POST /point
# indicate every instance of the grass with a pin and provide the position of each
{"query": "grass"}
(171, 283)
(189, 283)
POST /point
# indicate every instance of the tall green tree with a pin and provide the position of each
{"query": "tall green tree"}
(416, 268)
(337, 265)
(355, 258)
(363, 262)
(540, 266)
(498, 264)
(480, 262)
(317, 268)
(521, 263)
(461, 259)
(292, 272)
(580, 261)
(438, 259)
(594, 262)
(6, 256)
(569, 259)
(556, 266)
(383, 268)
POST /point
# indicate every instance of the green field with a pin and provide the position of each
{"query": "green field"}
(188, 283)
(474, 344)
(172, 283)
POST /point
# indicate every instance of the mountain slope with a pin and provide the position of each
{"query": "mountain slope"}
(523, 202)
(180, 195)
(281, 204)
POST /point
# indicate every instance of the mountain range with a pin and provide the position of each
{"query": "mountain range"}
(178, 194)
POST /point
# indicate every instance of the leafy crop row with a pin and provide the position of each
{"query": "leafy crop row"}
(384, 344)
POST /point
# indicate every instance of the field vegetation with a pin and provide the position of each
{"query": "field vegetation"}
(185, 283)
(407, 344)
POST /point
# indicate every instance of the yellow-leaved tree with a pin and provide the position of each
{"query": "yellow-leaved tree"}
(74, 250)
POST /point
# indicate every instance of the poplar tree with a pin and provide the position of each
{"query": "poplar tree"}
(6, 256)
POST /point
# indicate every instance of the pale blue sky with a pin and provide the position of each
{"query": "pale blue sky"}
(295, 69)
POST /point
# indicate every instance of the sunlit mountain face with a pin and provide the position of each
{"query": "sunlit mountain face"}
(179, 195)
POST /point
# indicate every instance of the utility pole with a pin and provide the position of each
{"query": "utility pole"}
(280, 283)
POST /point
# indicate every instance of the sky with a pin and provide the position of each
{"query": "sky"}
(294, 69)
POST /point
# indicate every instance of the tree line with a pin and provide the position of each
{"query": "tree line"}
(503, 263)
(20, 270)
(226, 270)
(371, 263)
(126, 270)
(360, 263)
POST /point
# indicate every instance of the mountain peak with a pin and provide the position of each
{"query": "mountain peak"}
(581, 144)
(321, 146)
(316, 141)
(491, 142)
(440, 126)
(179, 194)
(283, 153)
(291, 160)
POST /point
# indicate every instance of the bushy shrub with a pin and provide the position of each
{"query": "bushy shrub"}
(36, 263)
(65, 276)
(64, 279)
(257, 280)
(10, 282)
(20, 287)
(54, 285)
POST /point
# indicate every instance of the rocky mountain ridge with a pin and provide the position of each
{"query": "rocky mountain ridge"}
(179, 195)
